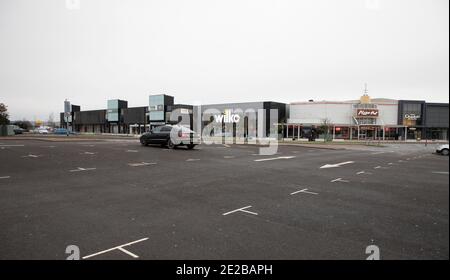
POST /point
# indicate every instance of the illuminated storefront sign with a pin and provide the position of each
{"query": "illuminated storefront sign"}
(412, 117)
(227, 117)
(367, 113)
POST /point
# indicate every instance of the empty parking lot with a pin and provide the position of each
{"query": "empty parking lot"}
(118, 200)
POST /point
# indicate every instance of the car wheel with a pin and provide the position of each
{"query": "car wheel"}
(170, 144)
(444, 152)
(190, 146)
(143, 142)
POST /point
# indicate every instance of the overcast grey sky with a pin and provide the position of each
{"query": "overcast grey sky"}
(212, 51)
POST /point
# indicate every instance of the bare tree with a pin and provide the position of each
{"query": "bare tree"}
(4, 116)
(51, 120)
(324, 128)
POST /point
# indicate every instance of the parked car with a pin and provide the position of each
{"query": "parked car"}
(171, 136)
(62, 131)
(18, 130)
(442, 149)
(42, 131)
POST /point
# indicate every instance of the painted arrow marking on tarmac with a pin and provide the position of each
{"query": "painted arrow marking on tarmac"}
(336, 165)
(267, 159)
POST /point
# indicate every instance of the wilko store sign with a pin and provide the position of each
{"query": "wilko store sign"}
(367, 113)
(227, 117)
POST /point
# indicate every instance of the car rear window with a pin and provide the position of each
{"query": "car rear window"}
(166, 128)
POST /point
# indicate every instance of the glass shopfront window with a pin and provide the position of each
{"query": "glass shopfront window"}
(342, 132)
(156, 108)
(391, 133)
(112, 113)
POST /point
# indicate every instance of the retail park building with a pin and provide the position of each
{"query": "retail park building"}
(364, 118)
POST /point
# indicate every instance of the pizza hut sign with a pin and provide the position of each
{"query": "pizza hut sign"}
(367, 113)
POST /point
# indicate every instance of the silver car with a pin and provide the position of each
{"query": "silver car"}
(442, 149)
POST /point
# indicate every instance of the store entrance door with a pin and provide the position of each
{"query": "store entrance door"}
(414, 133)
(367, 133)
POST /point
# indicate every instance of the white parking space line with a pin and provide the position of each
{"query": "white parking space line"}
(193, 159)
(141, 164)
(120, 247)
(440, 172)
(12, 145)
(401, 160)
(339, 180)
(31, 156)
(377, 153)
(265, 155)
(48, 146)
(241, 210)
(88, 153)
(304, 191)
(82, 169)
(363, 172)
(131, 151)
(229, 157)
(128, 252)
(336, 164)
(276, 158)
(5, 177)
(226, 146)
(377, 167)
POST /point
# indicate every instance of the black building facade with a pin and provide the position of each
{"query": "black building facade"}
(216, 117)
(119, 119)
(423, 120)
(436, 121)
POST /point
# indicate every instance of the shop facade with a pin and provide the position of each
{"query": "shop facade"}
(437, 121)
(362, 119)
(423, 120)
(240, 120)
(118, 118)
(347, 120)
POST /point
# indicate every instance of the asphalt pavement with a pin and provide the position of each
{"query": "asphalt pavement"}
(119, 200)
